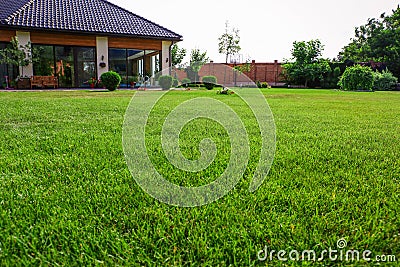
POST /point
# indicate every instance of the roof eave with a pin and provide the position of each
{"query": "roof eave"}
(5, 25)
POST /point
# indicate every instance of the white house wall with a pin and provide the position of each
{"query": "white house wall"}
(166, 60)
(24, 38)
(102, 54)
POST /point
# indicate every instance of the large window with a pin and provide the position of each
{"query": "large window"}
(3, 70)
(134, 65)
(154, 61)
(7, 70)
(73, 66)
(85, 65)
(65, 68)
(118, 62)
(45, 66)
(154, 65)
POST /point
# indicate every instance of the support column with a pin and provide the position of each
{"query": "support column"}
(24, 38)
(166, 57)
(102, 55)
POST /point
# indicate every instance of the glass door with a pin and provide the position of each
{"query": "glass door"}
(118, 63)
(85, 65)
(7, 70)
(65, 68)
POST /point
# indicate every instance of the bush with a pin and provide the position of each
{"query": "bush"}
(265, 85)
(259, 85)
(185, 81)
(331, 79)
(165, 81)
(110, 80)
(209, 82)
(175, 82)
(384, 81)
(357, 78)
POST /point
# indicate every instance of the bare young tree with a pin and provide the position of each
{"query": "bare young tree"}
(229, 42)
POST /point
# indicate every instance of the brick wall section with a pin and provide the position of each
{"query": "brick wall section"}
(179, 74)
(263, 72)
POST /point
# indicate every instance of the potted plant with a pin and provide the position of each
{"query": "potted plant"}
(23, 82)
(92, 82)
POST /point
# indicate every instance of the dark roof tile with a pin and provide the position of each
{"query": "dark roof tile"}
(8, 8)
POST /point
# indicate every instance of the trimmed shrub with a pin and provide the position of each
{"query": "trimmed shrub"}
(259, 85)
(209, 81)
(110, 80)
(165, 81)
(384, 81)
(185, 81)
(265, 85)
(357, 78)
(175, 82)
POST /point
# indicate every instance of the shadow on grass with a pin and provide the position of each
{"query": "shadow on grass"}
(99, 91)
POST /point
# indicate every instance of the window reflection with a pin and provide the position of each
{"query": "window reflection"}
(134, 66)
(73, 66)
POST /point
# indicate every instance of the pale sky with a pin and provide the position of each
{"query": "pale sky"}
(267, 28)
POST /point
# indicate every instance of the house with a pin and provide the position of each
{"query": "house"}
(81, 39)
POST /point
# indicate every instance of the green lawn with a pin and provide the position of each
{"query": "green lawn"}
(67, 197)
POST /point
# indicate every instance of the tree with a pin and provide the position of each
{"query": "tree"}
(197, 60)
(378, 40)
(331, 78)
(18, 55)
(307, 64)
(229, 42)
(177, 54)
(357, 78)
